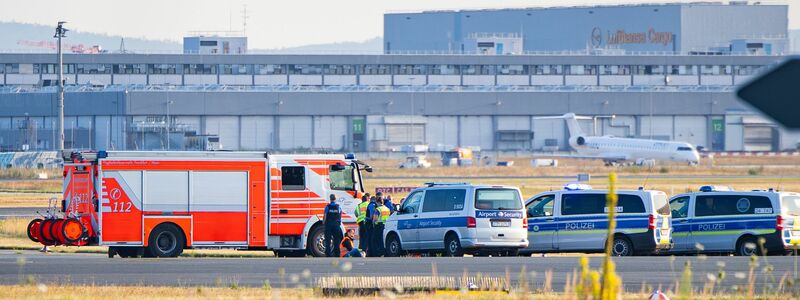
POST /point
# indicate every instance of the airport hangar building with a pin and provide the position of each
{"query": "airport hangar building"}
(379, 102)
(383, 102)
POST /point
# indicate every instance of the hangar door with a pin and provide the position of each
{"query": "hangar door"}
(405, 130)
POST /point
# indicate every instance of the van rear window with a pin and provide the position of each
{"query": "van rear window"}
(790, 205)
(497, 199)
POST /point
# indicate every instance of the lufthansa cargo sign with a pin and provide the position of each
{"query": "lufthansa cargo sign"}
(622, 37)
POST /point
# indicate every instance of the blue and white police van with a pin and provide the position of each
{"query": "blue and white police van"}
(458, 218)
(575, 219)
(721, 220)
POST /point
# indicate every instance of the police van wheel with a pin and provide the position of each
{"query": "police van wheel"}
(621, 247)
(453, 246)
(393, 247)
(166, 240)
(747, 246)
(316, 242)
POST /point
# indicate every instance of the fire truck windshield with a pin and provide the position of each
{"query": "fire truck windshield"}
(342, 177)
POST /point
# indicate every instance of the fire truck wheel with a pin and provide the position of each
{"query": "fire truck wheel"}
(316, 241)
(33, 230)
(166, 240)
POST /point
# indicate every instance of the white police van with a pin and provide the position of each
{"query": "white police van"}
(576, 220)
(458, 218)
(721, 220)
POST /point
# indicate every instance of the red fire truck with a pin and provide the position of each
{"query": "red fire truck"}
(159, 203)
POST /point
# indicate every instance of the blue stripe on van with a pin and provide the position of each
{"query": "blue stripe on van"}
(432, 223)
(710, 224)
(587, 223)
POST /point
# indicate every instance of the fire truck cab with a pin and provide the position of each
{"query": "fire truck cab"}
(159, 203)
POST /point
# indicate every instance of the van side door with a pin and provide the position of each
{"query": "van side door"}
(441, 209)
(408, 220)
(542, 224)
(681, 227)
(583, 221)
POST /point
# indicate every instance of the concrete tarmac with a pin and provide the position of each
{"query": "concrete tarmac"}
(20, 212)
(654, 272)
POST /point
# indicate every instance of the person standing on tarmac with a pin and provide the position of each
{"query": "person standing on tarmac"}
(379, 217)
(370, 225)
(361, 216)
(332, 218)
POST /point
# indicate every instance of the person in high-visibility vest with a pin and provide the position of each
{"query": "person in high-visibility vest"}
(379, 221)
(361, 216)
(347, 243)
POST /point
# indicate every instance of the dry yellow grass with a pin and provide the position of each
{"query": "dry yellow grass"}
(28, 185)
(14, 227)
(20, 173)
(26, 199)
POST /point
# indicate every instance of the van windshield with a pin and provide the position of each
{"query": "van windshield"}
(661, 205)
(790, 205)
(498, 199)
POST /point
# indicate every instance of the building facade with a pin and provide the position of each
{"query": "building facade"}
(700, 27)
(378, 102)
(214, 44)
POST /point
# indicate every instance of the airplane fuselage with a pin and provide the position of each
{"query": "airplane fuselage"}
(613, 149)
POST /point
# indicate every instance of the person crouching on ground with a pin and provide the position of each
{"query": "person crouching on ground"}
(347, 243)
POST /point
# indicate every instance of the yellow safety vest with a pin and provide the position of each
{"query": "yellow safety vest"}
(361, 211)
(385, 212)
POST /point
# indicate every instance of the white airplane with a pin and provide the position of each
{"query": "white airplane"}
(613, 150)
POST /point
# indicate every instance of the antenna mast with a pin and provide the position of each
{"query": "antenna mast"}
(244, 19)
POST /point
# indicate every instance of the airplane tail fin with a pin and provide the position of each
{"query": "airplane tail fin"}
(572, 123)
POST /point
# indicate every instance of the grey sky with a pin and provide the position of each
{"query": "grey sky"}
(271, 24)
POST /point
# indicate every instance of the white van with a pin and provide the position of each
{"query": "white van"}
(576, 220)
(718, 220)
(458, 218)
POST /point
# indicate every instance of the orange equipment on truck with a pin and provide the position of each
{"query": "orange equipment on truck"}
(159, 203)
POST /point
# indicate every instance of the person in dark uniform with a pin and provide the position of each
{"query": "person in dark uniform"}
(332, 218)
(388, 203)
(368, 222)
